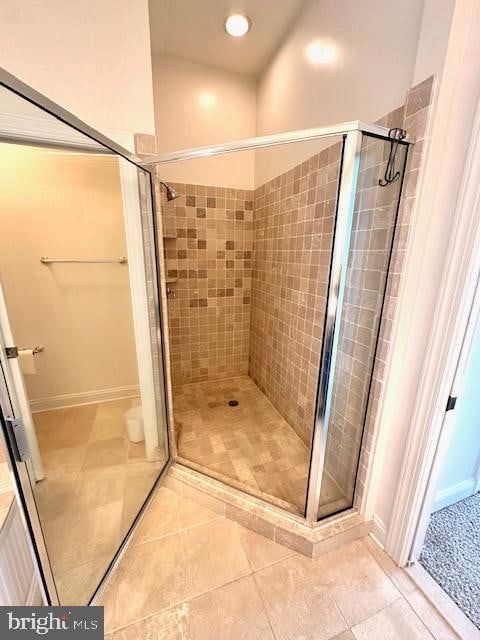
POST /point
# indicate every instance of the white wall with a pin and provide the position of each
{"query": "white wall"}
(81, 314)
(374, 45)
(92, 58)
(460, 470)
(197, 105)
(374, 67)
(433, 40)
(381, 50)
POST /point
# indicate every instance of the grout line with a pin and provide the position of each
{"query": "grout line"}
(339, 609)
(375, 613)
(401, 595)
(177, 510)
(177, 603)
(252, 573)
(291, 553)
(180, 530)
(259, 591)
(245, 550)
(327, 590)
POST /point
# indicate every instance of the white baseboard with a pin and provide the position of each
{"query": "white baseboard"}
(379, 530)
(85, 397)
(454, 493)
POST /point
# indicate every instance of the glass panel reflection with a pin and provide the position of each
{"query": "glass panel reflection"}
(373, 230)
(98, 419)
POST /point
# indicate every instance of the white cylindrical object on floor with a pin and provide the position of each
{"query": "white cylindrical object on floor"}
(27, 361)
(134, 422)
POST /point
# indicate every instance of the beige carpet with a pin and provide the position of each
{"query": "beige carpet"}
(451, 554)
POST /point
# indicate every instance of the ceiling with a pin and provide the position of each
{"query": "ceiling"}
(193, 30)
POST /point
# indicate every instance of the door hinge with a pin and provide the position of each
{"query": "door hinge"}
(11, 352)
(451, 402)
(18, 439)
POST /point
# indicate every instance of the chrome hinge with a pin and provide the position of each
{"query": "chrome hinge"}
(451, 402)
(18, 439)
(11, 352)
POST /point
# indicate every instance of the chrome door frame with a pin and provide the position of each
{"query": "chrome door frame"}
(23, 90)
(333, 317)
(262, 142)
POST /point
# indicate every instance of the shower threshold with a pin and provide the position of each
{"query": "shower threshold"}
(246, 443)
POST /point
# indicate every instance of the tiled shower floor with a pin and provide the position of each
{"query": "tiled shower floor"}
(249, 446)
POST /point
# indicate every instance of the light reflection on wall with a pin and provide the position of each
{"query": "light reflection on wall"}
(321, 52)
(207, 100)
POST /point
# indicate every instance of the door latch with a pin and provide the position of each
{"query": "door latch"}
(18, 439)
(451, 402)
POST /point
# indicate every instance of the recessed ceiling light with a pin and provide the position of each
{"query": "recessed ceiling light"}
(320, 52)
(237, 25)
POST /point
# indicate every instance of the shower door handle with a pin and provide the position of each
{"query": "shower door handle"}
(18, 439)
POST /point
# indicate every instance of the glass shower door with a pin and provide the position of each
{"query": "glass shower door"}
(368, 265)
(83, 405)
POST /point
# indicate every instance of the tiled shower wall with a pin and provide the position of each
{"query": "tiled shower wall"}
(293, 230)
(208, 243)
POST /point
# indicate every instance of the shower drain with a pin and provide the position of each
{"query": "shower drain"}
(233, 403)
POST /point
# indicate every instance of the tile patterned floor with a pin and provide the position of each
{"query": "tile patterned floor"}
(95, 483)
(249, 445)
(191, 574)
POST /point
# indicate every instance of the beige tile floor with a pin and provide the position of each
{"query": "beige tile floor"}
(250, 445)
(191, 574)
(95, 483)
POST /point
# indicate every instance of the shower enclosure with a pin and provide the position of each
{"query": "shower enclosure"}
(261, 276)
(275, 296)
